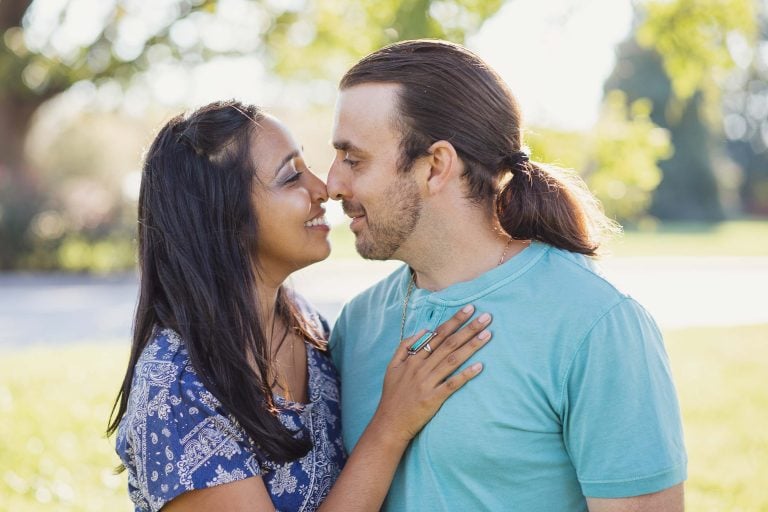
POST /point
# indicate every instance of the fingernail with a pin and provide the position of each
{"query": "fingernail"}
(468, 308)
(477, 367)
(484, 335)
(484, 318)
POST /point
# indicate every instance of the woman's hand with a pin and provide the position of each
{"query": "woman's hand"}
(416, 385)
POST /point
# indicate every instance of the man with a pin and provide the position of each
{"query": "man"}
(575, 409)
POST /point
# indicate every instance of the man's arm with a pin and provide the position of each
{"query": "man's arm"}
(668, 500)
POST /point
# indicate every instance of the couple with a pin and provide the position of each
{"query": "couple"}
(233, 398)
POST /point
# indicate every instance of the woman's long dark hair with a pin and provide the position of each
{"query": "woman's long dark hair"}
(449, 93)
(198, 234)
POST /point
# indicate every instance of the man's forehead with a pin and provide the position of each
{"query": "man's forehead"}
(382, 91)
(364, 109)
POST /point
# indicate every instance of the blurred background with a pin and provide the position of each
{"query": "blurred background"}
(661, 105)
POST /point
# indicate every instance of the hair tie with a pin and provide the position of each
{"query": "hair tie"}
(514, 160)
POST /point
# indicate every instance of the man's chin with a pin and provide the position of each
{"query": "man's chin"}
(368, 251)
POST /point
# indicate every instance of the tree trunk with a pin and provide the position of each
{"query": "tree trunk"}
(15, 120)
(19, 195)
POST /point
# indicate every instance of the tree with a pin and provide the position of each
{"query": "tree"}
(678, 58)
(43, 54)
(745, 110)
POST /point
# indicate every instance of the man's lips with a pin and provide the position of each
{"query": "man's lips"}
(357, 219)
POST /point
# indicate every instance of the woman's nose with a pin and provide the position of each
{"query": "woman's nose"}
(336, 186)
(319, 190)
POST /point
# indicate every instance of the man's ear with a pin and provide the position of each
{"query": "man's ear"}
(444, 166)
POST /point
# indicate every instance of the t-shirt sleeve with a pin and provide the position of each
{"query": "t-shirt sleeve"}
(336, 341)
(622, 425)
(189, 443)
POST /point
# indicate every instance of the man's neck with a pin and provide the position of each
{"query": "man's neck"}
(452, 256)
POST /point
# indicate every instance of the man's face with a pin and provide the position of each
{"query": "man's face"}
(385, 204)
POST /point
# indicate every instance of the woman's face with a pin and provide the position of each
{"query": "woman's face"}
(288, 197)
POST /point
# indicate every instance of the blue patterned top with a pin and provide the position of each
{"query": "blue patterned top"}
(175, 436)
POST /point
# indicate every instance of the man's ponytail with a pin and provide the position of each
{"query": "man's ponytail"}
(553, 206)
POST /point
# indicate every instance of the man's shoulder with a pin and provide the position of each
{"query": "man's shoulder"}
(583, 275)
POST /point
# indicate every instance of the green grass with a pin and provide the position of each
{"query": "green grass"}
(721, 380)
(732, 238)
(55, 402)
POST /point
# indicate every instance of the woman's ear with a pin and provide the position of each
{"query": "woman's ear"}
(444, 166)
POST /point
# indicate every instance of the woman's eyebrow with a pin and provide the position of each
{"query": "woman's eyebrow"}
(293, 154)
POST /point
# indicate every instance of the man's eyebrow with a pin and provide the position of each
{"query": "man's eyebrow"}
(288, 158)
(345, 145)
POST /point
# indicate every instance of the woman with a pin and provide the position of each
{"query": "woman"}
(230, 401)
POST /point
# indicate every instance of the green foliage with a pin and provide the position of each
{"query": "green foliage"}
(689, 189)
(627, 147)
(711, 56)
(618, 159)
(569, 150)
(322, 39)
(745, 109)
(691, 37)
(40, 59)
(46, 48)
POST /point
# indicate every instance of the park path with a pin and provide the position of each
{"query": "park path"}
(57, 309)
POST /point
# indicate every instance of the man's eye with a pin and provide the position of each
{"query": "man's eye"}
(349, 161)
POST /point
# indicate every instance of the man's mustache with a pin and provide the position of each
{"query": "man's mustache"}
(352, 209)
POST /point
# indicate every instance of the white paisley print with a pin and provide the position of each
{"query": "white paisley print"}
(176, 437)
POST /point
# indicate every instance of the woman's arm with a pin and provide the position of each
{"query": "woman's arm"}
(415, 386)
(249, 495)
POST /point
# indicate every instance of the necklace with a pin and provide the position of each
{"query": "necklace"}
(504, 253)
(405, 304)
(281, 378)
(421, 342)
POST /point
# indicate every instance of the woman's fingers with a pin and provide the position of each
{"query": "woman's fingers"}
(443, 331)
(401, 354)
(447, 364)
(452, 384)
(457, 347)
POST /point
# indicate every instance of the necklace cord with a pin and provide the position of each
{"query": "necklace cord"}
(412, 282)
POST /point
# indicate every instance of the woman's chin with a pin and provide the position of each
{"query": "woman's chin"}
(320, 254)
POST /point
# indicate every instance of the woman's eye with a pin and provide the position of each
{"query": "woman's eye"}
(294, 177)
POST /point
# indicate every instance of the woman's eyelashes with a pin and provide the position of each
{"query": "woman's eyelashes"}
(293, 172)
(292, 177)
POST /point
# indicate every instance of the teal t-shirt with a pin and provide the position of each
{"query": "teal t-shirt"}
(576, 398)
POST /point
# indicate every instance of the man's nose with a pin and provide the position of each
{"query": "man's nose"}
(337, 187)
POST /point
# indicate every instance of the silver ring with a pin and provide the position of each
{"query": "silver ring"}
(427, 348)
(422, 343)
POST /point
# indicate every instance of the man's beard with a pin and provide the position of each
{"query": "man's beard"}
(385, 233)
